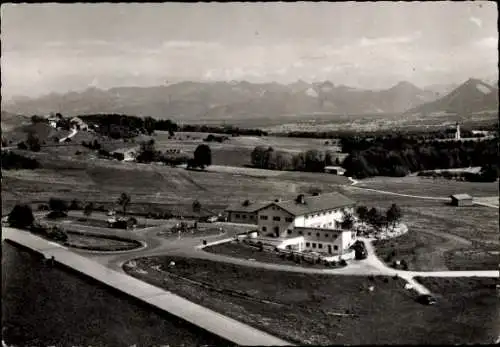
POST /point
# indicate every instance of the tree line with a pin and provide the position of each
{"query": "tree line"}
(228, 129)
(148, 153)
(398, 155)
(312, 160)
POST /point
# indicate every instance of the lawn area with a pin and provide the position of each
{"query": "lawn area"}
(420, 251)
(100, 243)
(314, 309)
(244, 251)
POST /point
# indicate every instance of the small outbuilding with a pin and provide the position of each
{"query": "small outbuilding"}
(461, 200)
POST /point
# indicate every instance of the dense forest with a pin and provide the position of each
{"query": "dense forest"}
(312, 160)
(400, 155)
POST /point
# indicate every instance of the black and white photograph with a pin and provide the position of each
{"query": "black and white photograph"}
(250, 174)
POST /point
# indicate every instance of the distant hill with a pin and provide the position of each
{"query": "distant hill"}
(473, 96)
(228, 100)
(12, 121)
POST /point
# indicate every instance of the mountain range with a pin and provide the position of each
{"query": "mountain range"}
(245, 100)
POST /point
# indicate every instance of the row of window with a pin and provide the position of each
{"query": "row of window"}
(320, 245)
(334, 236)
(276, 218)
(319, 214)
(244, 216)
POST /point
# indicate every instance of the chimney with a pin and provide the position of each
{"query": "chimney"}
(316, 194)
(277, 200)
(246, 203)
(300, 199)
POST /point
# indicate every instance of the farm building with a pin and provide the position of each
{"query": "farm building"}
(461, 200)
(336, 170)
(306, 223)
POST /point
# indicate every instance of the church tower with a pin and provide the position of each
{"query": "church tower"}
(457, 132)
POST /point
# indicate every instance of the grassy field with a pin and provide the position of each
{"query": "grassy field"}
(103, 181)
(439, 187)
(439, 234)
(53, 306)
(471, 303)
(243, 251)
(320, 309)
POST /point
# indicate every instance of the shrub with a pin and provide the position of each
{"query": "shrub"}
(56, 214)
(21, 216)
(75, 205)
(43, 207)
(57, 204)
(22, 145)
(57, 234)
(386, 280)
(342, 262)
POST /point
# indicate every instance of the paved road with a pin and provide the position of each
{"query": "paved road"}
(207, 319)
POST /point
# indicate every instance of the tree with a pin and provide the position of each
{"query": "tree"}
(33, 142)
(347, 221)
(123, 201)
(362, 212)
(88, 209)
(202, 156)
(315, 160)
(58, 205)
(149, 125)
(21, 217)
(147, 152)
(393, 215)
(196, 206)
(75, 205)
(22, 145)
(375, 219)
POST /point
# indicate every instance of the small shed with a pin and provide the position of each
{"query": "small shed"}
(461, 200)
(336, 170)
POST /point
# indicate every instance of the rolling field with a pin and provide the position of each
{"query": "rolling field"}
(237, 150)
(324, 310)
(103, 181)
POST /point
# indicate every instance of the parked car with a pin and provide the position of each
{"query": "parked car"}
(426, 299)
(212, 219)
(360, 250)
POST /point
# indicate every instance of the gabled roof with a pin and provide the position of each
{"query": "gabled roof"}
(252, 207)
(316, 203)
(461, 196)
(312, 204)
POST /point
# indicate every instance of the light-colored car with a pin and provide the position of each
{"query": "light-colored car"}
(212, 219)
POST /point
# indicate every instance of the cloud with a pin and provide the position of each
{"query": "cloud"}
(488, 42)
(476, 21)
(392, 40)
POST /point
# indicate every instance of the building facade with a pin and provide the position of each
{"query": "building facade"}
(306, 223)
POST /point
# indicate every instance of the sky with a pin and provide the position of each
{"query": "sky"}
(60, 47)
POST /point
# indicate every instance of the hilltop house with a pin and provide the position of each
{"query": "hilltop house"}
(305, 223)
